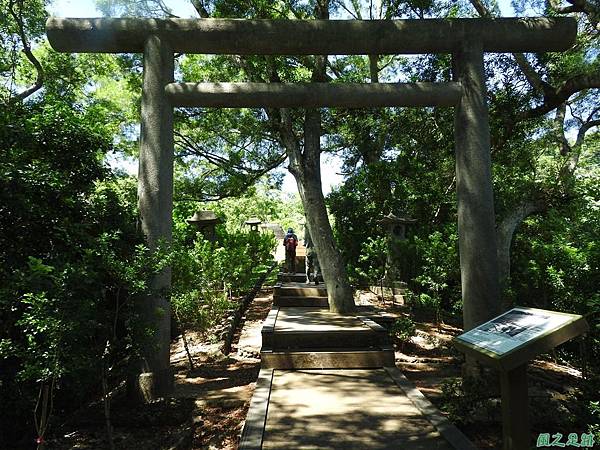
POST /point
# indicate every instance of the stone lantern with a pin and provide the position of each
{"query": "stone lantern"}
(253, 223)
(396, 225)
(274, 228)
(205, 221)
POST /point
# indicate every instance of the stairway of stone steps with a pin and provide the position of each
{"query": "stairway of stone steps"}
(314, 338)
(300, 294)
(299, 277)
(301, 333)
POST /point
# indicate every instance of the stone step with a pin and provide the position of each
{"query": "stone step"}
(299, 290)
(348, 358)
(300, 340)
(299, 277)
(303, 338)
(300, 266)
(299, 328)
(318, 302)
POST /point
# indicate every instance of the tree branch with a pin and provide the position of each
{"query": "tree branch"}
(505, 231)
(290, 142)
(533, 78)
(39, 81)
(530, 74)
(200, 9)
(559, 126)
(165, 10)
(572, 162)
(593, 113)
(481, 8)
(553, 96)
(345, 8)
(224, 163)
(561, 95)
(591, 10)
(584, 129)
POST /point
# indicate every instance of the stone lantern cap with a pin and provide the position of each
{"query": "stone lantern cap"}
(253, 221)
(275, 228)
(205, 217)
(392, 219)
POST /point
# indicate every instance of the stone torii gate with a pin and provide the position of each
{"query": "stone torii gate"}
(466, 39)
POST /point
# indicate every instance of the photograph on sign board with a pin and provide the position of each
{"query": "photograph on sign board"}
(512, 329)
(515, 322)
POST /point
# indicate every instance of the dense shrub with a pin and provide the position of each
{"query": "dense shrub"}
(71, 263)
(402, 330)
(204, 273)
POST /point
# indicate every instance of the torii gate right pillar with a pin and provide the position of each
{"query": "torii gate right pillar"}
(476, 221)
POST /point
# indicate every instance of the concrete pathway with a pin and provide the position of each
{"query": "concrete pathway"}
(328, 381)
(344, 409)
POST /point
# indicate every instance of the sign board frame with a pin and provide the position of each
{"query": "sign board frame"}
(571, 326)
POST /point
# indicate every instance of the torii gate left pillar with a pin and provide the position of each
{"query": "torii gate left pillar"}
(155, 201)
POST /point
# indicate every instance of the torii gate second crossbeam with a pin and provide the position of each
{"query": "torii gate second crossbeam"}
(466, 39)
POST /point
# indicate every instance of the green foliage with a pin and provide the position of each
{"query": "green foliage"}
(408, 179)
(439, 280)
(556, 261)
(403, 161)
(372, 260)
(428, 259)
(594, 426)
(72, 264)
(224, 152)
(205, 273)
(268, 204)
(427, 303)
(403, 329)
(33, 17)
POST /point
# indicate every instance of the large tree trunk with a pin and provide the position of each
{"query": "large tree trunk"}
(504, 235)
(306, 168)
(308, 179)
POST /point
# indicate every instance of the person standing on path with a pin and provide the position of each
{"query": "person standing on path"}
(290, 242)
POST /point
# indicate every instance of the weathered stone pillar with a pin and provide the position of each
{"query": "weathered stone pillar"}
(476, 222)
(155, 197)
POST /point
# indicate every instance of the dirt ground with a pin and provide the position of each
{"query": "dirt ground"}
(222, 386)
(211, 401)
(207, 410)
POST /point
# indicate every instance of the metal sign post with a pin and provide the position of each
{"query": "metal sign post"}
(516, 433)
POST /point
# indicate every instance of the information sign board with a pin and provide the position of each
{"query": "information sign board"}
(519, 334)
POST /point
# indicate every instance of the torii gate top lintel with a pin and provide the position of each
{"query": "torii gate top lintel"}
(282, 37)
